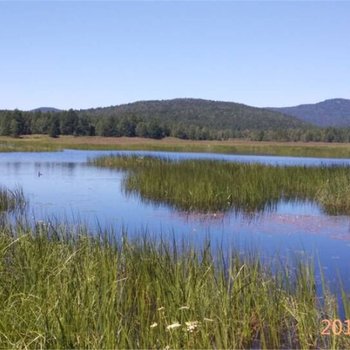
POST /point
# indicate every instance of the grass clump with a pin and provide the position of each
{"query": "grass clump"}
(11, 200)
(207, 185)
(67, 289)
(334, 195)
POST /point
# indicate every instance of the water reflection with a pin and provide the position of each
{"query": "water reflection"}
(72, 191)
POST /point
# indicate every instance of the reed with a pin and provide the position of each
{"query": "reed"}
(207, 185)
(65, 288)
(11, 200)
(334, 195)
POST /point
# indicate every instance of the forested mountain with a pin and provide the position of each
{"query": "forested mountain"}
(46, 109)
(215, 115)
(183, 118)
(334, 112)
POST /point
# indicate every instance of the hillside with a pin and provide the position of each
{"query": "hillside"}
(46, 109)
(204, 113)
(333, 112)
(183, 118)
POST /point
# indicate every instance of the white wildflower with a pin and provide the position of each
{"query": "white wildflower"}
(173, 326)
(192, 325)
(185, 307)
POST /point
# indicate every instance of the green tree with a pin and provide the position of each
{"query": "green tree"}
(154, 130)
(54, 129)
(17, 125)
(126, 127)
(69, 122)
(141, 129)
(5, 124)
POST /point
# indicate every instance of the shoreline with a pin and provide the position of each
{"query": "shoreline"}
(40, 143)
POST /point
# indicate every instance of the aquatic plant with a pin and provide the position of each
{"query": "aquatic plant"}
(334, 194)
(11, 200)
(65, 288)
(208, 185)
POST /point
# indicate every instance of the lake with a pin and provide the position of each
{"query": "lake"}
(71, 190)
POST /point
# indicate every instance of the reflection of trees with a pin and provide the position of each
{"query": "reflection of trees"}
(44, 167)
(13, 167)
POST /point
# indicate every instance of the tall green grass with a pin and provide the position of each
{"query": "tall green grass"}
(61, 288)
(11, 200)
(207, 185)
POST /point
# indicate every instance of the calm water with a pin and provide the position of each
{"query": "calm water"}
(72, 190)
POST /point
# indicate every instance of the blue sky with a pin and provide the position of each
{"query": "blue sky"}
(89, 54)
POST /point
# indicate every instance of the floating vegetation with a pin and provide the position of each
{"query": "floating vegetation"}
(211, 185)
(65, 288)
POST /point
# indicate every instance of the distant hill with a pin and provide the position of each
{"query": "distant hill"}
(333, 112)
(46, 109)
(215, 115)
(188, 118)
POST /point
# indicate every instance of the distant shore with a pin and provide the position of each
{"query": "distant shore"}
(38, 143)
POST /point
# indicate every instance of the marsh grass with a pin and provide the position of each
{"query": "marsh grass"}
(64, 288)
(11, 200)
(207, 185)
(335, 193)
(22, 145)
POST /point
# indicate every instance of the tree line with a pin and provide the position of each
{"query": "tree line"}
(16, 123)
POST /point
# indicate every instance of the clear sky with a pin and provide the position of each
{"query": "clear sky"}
(90, 54)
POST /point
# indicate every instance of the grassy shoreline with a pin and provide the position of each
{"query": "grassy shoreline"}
(61, 288)
(37, 143)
